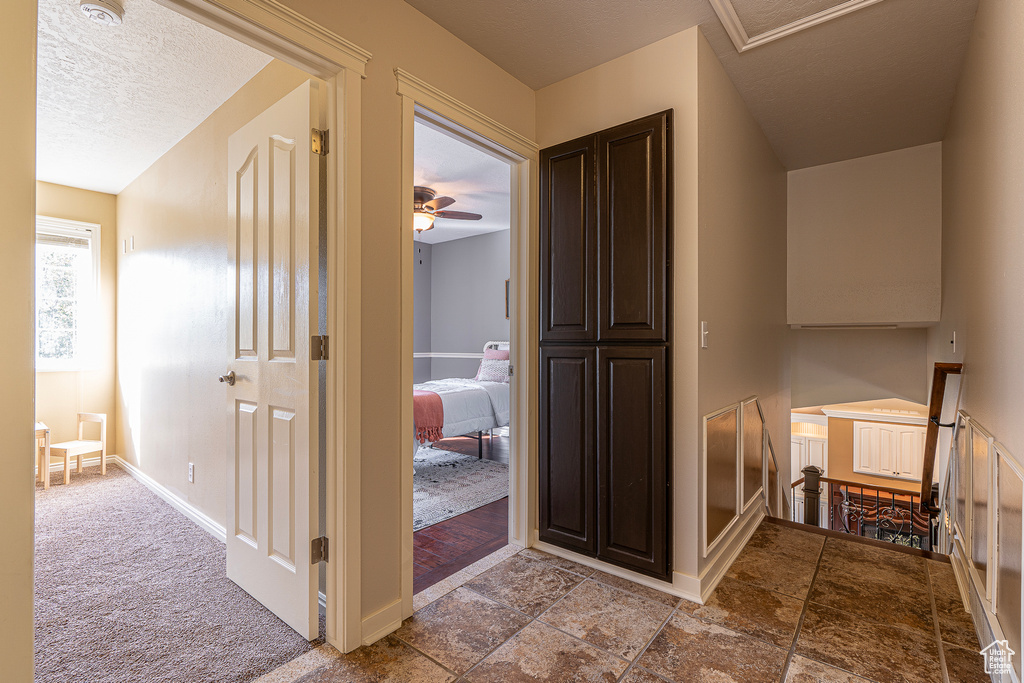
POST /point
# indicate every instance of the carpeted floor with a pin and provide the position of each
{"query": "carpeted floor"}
(128, 589)
(446, 484)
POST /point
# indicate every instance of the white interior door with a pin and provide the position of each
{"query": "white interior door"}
(273, 463)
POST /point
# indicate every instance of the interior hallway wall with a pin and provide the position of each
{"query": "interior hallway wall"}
(467, 307)
(60, 396)
(422, 266)
(174, 303)
(17, 222)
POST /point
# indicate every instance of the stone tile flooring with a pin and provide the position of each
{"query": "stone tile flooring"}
(795, 607)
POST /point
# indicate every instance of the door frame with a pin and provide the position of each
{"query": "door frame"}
(424, 101)
(292, 38)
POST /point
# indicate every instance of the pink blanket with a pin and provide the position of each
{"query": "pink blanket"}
(428, 414)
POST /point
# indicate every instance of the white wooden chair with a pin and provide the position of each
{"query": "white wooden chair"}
(80, 447)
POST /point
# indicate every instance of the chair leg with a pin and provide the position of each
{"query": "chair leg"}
(79, 468)
(67, 467)
(103, 461)
(46, 471)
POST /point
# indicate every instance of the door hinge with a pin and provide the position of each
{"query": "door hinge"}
(511, 370)
(319, 347)
(318, 550)
(321, 142)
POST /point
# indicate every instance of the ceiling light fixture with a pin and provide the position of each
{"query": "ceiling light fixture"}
(422, 220)
(104, 12)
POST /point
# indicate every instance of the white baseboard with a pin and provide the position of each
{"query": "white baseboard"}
(382, 622)
(728, 550)
(205, 522)
(58, 465)
(682, 585)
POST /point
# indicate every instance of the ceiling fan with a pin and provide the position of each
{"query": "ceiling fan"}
(427, 206)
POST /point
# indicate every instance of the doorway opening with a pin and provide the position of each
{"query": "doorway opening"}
(135, 122)
(461, 353)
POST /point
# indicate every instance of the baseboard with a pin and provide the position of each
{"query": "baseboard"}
(727, 553)
(184, 507)
(382, 622)
(681, 584)
(58, 466)
(986, 625)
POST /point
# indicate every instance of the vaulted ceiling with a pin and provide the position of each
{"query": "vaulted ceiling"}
(872, 80)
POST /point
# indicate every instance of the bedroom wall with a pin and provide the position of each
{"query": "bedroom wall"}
(422, 260)
(174, 303)
(468, 300)
(60, 396)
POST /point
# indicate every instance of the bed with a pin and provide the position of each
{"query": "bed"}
(470, 406)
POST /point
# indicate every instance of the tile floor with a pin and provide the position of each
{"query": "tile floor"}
(794, 607)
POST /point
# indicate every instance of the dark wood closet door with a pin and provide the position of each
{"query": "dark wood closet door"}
(568, 510)
(632, 180)
(632, 467)
(568, 221)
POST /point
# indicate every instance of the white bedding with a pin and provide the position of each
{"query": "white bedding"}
(470, 405)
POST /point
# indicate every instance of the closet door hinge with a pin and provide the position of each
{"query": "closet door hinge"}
(319, 347)
(318, 551)
(321, 142)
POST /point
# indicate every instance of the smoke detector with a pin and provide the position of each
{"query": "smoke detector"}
(105, 12)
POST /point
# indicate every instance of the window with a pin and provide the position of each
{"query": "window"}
(67, 284)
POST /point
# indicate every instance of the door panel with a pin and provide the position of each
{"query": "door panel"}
(632, 489)
(567, 454)
(569, 238)
(632, 210)
(888, 446)
(273, 465)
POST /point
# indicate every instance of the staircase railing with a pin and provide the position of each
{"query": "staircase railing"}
(929, 495)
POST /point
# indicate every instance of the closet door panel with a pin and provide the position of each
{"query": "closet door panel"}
(568, 231)
(633, 176)
(632, 467)
(568, 506)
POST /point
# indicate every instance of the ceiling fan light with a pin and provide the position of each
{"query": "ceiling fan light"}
(422, 220)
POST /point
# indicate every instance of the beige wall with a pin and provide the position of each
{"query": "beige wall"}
(846, 366)
(17, 197)
(865, 239)
(840, 458)
(657, 77)
(173, 303)
(60, 396)
(741, 260)
(739, 204)
(983, 239)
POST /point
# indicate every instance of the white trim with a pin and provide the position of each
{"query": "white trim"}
(439, 354)
(208, 524)
(709, 547)
(891, 418)
(734, 27)
(759, 493)
(716, 568)
(58, 465)
(807, 418)
(382, 622)
(421, 101)
(280, 32)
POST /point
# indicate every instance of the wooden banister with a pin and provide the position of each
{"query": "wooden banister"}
(931, 440)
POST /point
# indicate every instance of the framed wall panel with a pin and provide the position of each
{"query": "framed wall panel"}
(721, 474)
(981, 486)
(1007, 560)
(753, 452)
(962, 480)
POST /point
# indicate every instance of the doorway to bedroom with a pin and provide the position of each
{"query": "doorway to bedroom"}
(461, 350)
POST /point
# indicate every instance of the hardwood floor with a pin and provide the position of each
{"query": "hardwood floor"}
(496, 449)
(446, 547)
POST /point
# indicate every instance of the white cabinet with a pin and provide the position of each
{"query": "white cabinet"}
(798, 508)
(888, 450)
(808, 450)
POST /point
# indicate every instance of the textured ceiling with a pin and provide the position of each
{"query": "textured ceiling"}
(874, 80)
(113, 99)
(478, 182)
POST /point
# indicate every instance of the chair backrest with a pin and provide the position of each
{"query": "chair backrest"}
(101, 418)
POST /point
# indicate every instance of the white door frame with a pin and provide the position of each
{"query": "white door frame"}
(286, 35)
(419, 99)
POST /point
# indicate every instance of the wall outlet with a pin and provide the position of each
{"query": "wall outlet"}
(191, 473)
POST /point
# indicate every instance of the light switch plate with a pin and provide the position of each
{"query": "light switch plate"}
(703, 334)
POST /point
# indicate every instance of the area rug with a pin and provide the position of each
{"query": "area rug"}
(446, 484)
(129, 589)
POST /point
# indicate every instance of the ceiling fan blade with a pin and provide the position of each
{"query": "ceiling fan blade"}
(439, 202)
(458, 215)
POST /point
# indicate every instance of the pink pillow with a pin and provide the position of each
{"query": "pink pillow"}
(496, 354)
(494, 366)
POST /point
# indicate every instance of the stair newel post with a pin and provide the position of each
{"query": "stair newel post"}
(812, 493)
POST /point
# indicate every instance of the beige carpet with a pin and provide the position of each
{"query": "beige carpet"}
(128, 589)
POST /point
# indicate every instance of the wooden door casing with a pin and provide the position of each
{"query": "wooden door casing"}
(632, 468)
(567, 458)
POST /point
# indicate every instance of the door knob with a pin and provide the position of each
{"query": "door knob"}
(229, 378)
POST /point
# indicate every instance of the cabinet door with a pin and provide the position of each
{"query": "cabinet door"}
(632, 463)
(911, 455)
(632, 181)
(798, 451)
(865, 447)
(888, 450)
(568, 235)
(816, 452)
(567, 458)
